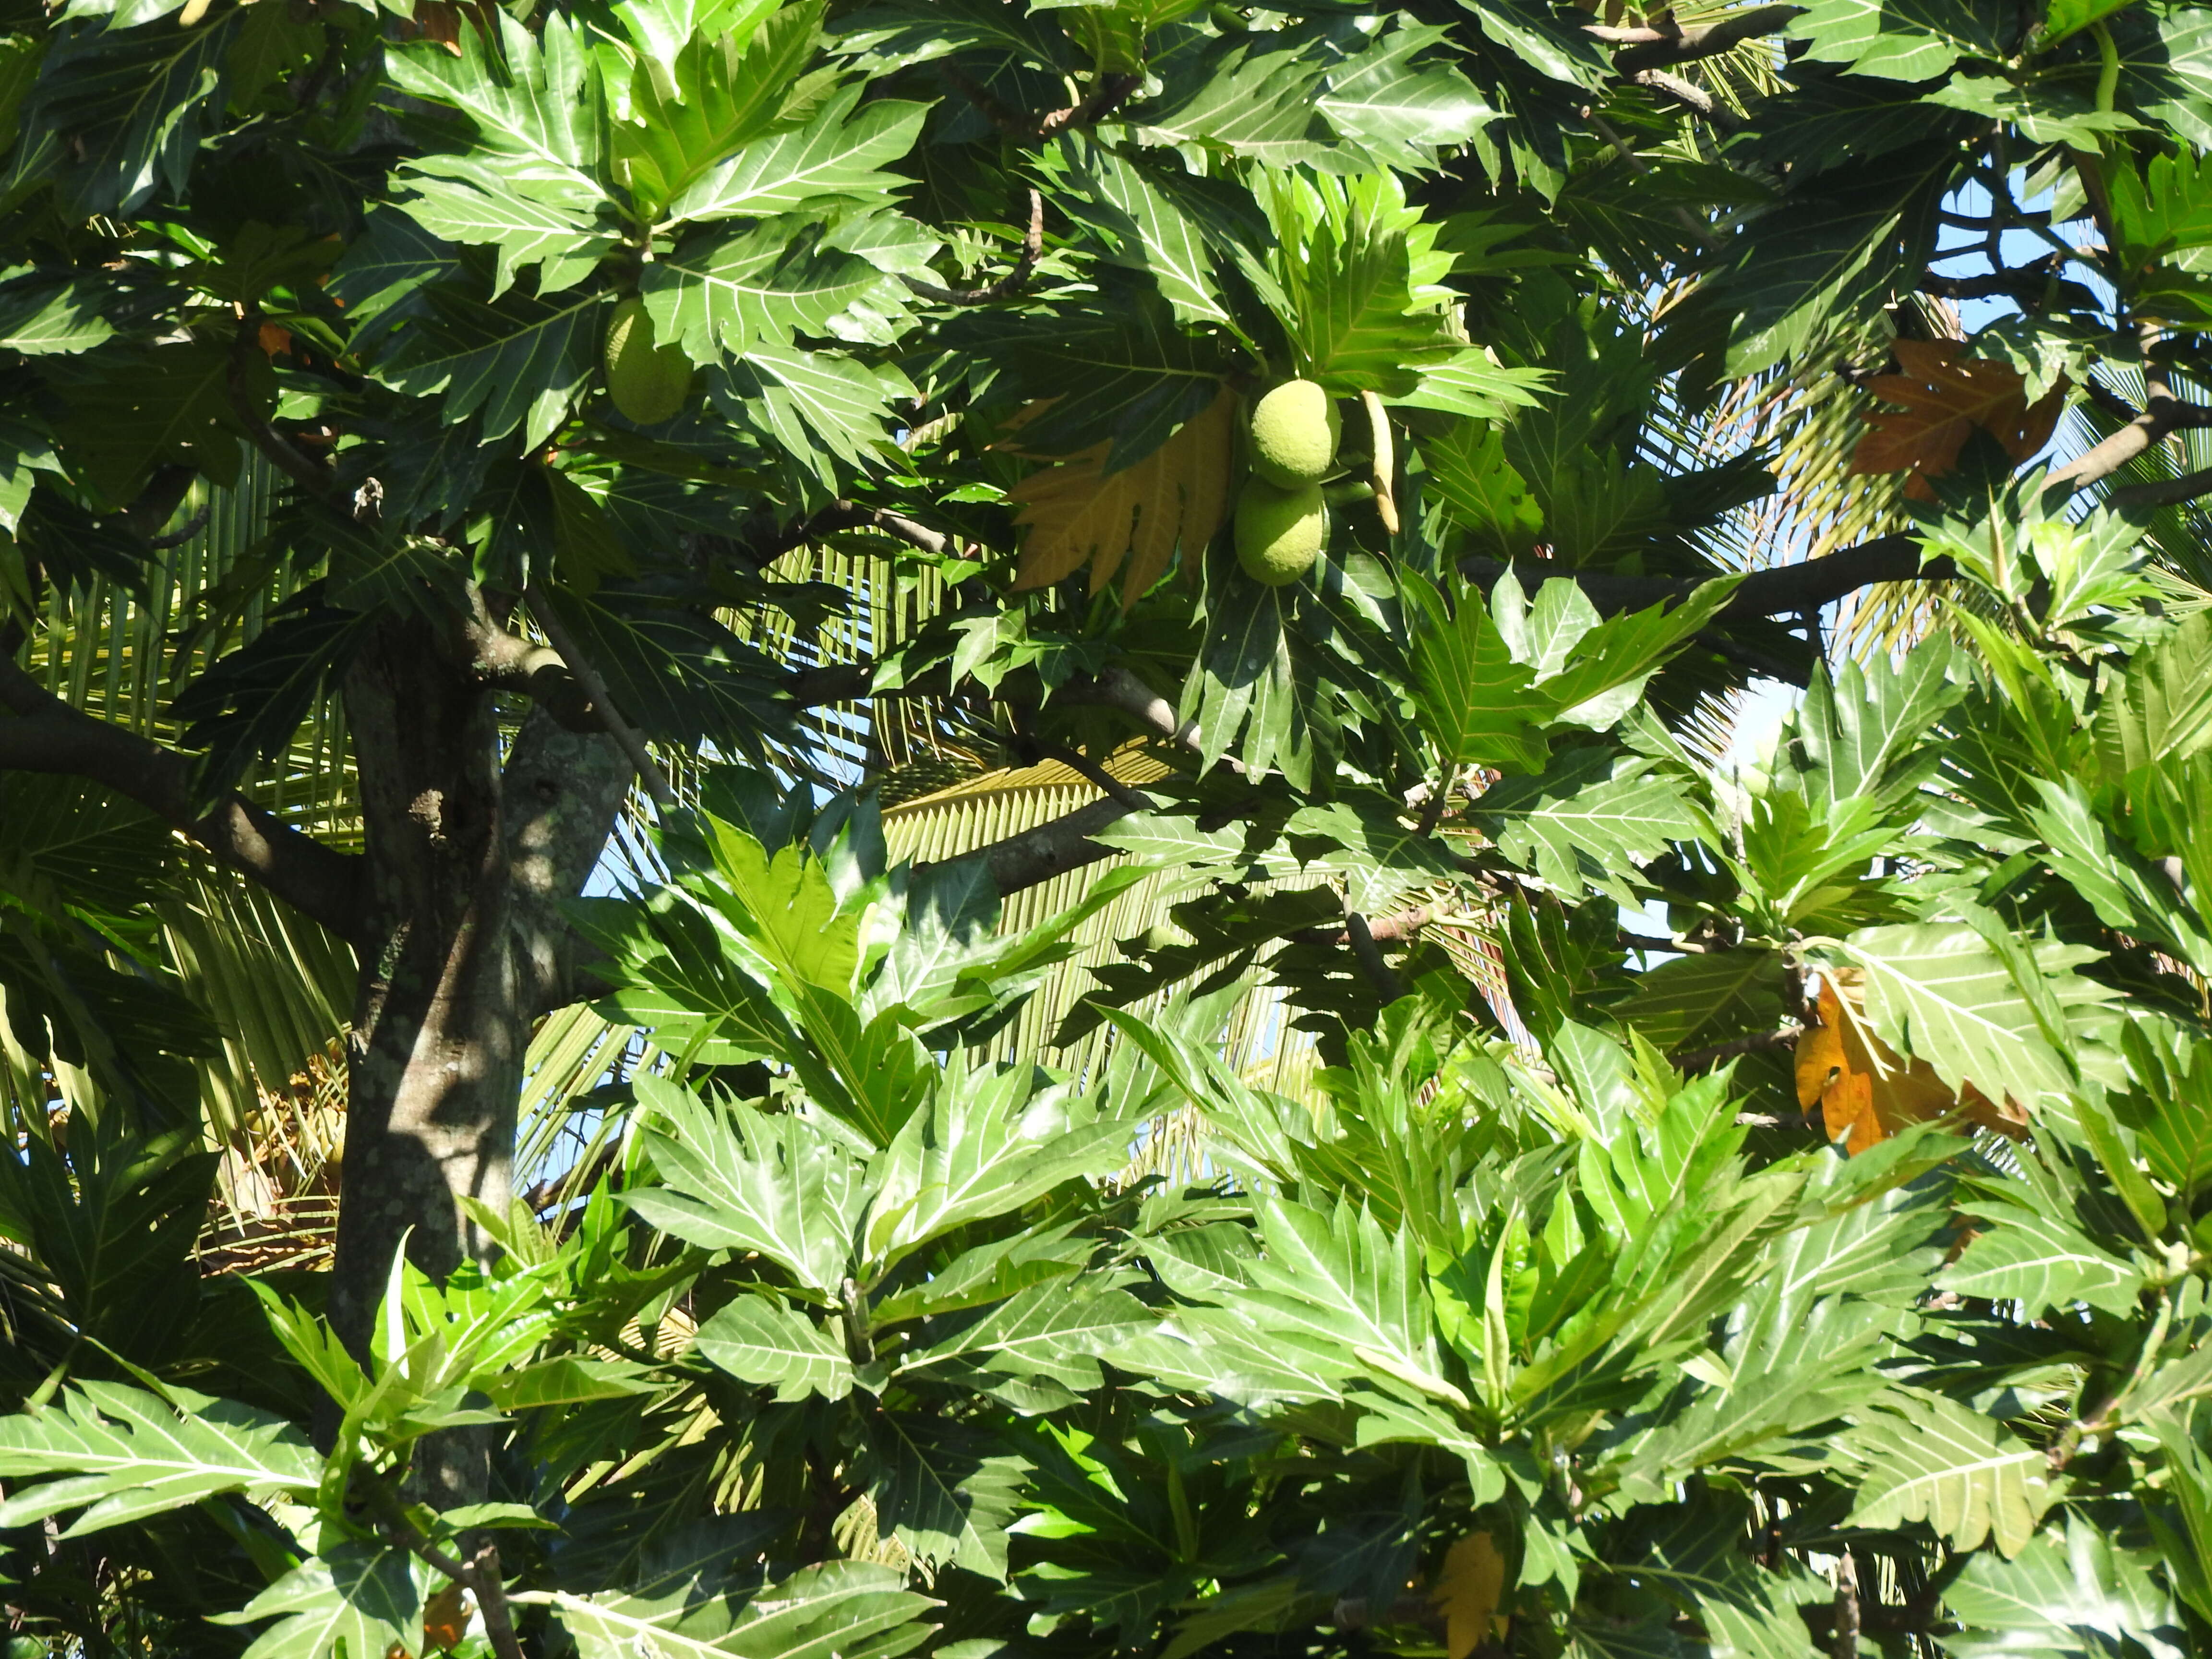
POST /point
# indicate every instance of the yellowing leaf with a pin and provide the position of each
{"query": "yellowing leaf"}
(444, 1619)
(1176, 495)
(1864, 1087)
(1946, 396)
(1468, 1594)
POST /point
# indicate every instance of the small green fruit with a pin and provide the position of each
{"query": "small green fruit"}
(1279, 531)
(648, 382)
(1294, 430)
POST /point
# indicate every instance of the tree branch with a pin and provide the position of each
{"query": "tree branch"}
(766, 549)
(1662, 48)
(1108, 93)
(308, 473)
(2163, 415)
(2025, 283)
(1007, 286)
(1036, 856)
(1694, 99)
(48, 735)
(192, 527)
(1369, 955)
(479, 1575)
(2164, 492)
(1758, 1042)
(1785, 590)
(1090, 772)
(656, 781)
(1398, 924)
(506, 661)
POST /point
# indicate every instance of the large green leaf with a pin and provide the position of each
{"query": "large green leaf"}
(1337, 1276)
(122, 1454)
(1926, 1457)
(836, 157)
(1153, 233)
(759, 1341)
(1053, 1329)
(132, 104)
(2075, 1593)
(1901, 39)
(945, 1490)
(1940, 994)
(2040, 1260)
(841, 1610)
(522, 360)
(1401, 110)
(982, 1148)
(1472, 696)
(727, 292)
(1249, 96)
(746, 1181)
(1694, 1001)
(351, 1599)
(1587, 822)
(545, 224)
(534, 99)
(697, 99)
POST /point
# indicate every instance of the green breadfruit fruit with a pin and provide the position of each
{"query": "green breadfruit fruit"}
(1279, 531)
(648, 382)
(1294, 429)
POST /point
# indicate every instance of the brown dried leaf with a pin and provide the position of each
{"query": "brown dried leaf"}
(1864, 1088)
(1176, 496)
(1946, 396)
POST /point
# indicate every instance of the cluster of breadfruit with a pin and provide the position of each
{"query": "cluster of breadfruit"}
(1282, 519)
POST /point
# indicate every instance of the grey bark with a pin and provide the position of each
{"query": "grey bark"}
(463, 944)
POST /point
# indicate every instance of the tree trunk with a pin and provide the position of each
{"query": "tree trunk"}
(463, 947)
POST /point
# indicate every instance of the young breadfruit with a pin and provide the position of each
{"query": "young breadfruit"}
(1279, 531)
(1294, 431)
(648, 383)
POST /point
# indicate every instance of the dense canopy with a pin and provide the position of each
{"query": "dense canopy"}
(941, 827)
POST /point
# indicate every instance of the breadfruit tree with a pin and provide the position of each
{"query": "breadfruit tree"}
(1374, 448)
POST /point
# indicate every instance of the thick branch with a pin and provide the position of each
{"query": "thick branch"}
(2164, 415)
(1036, 856)
(2025, 283)
(508, 662)
(1664, 48)
(1115, 686)
(2164, 492)
(1786, 590)
(1365, 950)
(48, 735)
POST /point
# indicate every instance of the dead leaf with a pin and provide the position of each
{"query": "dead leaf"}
(1946, 397)
(1864, 1088)
(274, 341)
(444, 1619)
(1176, 496)
(1468, 1592)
